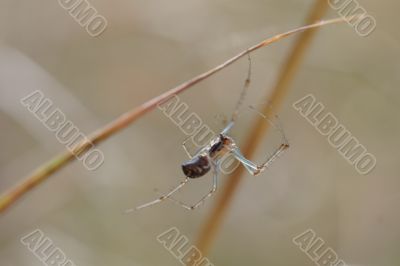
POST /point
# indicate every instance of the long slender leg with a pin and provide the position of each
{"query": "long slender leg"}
(255, 169)
(277, 127)
(160, 199)
(242, 96)
(204, 198)
(227, 128)
(249, 165)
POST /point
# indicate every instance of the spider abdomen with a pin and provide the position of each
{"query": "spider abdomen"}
(196, 167)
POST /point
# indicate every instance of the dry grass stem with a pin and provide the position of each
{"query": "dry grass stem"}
(58, 162)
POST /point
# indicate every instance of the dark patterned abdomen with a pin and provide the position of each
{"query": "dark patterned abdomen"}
(196, 167)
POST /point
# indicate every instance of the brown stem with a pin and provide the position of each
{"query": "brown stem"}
(55, 164)
(210, 228)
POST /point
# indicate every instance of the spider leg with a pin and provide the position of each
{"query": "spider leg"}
(253, 168)
(227, 128)
(160, 199)
(250, 166)
(204, 198)
(242, 96)
(277, 127)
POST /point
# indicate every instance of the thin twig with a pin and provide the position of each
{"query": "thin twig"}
(55, 164)
(212, 224)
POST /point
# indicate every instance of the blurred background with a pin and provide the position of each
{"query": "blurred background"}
(150, 47)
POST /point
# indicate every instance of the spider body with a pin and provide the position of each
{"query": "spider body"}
(209, 158)
(197, 166)
(220, 147)
(201, 163)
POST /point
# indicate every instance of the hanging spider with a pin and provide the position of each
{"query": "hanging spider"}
(209, 157)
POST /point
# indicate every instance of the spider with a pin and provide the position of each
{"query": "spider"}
(208, 158)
